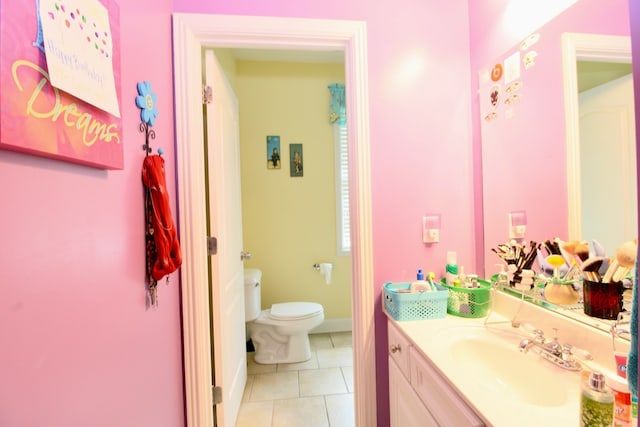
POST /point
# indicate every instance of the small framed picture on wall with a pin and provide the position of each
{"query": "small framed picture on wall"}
(273, 152)
(295, 162)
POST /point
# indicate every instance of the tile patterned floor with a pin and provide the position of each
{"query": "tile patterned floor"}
(315, 393)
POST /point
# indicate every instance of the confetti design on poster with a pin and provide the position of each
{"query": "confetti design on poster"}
(79, 48)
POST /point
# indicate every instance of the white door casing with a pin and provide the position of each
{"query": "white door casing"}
(192, 33)
(225, 222)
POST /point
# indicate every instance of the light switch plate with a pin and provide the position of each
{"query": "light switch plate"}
(517, 224)
(431, 228)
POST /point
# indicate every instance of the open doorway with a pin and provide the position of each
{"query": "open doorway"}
(192, 33)
(287, 222)
(595, 50)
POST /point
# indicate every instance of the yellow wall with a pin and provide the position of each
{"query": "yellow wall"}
(289, 222)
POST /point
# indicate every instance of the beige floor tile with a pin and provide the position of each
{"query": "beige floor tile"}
(347, 373)
(309, 364)
(315, 393)
(257, 368)
(247, 389)
(340, 409)
(320, 341)
(317, 382)
(305, 411)
(342, 339)
(255, 414)
(281, 385)
(335, 357)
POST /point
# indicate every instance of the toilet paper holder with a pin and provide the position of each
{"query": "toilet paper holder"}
(325, 269)
(316, 266)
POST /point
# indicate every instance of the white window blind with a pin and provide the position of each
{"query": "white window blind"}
(342, 189)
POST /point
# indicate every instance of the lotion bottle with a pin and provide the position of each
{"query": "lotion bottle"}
(451, 269)
(596, 402)
(420, 285)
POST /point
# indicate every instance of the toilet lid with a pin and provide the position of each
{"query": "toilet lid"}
(294, 310)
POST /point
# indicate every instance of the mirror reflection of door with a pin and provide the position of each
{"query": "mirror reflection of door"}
(607, 155)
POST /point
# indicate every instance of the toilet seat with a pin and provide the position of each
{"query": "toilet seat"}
(295, 310)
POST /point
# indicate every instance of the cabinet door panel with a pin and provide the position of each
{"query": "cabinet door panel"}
(405, 407)
(443, 402)
(399, 349)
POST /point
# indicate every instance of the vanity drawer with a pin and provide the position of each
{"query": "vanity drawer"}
(443, 402)
(399, 348)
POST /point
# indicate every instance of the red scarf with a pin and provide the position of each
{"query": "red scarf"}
(163, 248)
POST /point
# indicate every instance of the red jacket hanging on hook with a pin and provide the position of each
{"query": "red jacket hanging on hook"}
(168, 258)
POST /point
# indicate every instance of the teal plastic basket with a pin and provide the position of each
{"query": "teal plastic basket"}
(415, 305)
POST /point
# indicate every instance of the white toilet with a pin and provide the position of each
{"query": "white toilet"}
(279, 334)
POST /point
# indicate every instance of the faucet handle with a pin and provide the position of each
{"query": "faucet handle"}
(539, 336)
(581, 353)
(567, 353)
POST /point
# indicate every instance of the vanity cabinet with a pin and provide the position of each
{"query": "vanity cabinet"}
(406, 408)
(418, 394)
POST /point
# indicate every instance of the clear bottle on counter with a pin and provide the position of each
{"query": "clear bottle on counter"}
(596, 402)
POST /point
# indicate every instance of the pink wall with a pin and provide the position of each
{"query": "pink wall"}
(420, 131)
(531, 156)
(78, 345)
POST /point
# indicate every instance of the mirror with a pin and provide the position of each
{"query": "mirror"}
(533, 161)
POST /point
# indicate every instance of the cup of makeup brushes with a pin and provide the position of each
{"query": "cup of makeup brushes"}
(602, 300)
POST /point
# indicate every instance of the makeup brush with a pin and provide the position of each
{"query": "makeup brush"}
(626, 256)
(625, 259)
(598, 249)
(590, 268)
(582, 251)
(575, 250)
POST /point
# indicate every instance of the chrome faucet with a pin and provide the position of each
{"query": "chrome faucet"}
(616, 331)
(554, 352)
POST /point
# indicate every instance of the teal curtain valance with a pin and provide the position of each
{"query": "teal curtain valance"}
(337, 108)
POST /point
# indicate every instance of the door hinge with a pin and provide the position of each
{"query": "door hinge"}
(216, 395)
(212, 245)
(207, 94)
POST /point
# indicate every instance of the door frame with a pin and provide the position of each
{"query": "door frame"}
(582, 47)
(192, 33)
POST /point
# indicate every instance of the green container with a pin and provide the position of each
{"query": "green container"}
(468, 302)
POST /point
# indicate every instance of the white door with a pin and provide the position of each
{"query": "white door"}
(225, 222)
(608, 163)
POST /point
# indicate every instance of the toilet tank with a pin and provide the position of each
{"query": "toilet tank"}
(252, 303)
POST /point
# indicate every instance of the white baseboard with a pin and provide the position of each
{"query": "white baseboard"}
(333, 325)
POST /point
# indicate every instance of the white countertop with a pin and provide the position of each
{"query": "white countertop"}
(500, 406)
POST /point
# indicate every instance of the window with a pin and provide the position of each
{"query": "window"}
(342, 188)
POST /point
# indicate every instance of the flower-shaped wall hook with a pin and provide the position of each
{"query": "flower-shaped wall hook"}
(146, 101)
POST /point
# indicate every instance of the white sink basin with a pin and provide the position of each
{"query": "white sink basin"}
(492, 360)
